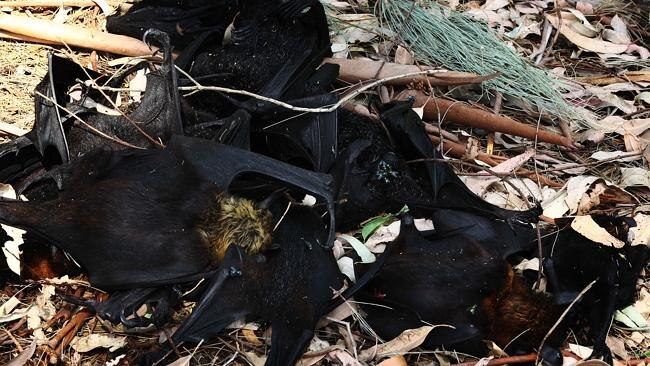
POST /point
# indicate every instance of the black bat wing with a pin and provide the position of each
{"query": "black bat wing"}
(303, 139)
(448, 190)
(49, 133)
(124, 202)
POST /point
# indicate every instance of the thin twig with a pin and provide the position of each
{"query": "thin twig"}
(131, 121)
(323, 109)
(564, 313)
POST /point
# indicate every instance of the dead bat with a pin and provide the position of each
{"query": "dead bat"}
(372, 175)
(291, 287)
(437, 280)
(572, 262)
(150, 218)
(157, 115)
(291, 49)
(462, 284)
(183, 21)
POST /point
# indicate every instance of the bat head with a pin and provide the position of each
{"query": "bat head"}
(239, 221)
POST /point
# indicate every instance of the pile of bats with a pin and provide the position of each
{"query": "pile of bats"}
(210, 186)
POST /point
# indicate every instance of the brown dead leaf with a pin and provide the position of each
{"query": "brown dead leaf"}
(409, 339)
(589, 44)
(621, 126)
(403, 56)
(251, 337)
(24, 356)
(343, 357)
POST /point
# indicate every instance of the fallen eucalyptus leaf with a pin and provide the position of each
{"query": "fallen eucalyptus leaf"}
(363, 252)
(93, 341)
(587, 227)
(406, 341)
(24, 356)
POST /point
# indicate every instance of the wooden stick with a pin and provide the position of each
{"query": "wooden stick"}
(73, 35)
(355, 71)
(461, 113)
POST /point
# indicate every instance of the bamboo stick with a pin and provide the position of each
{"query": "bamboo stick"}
(461, 113)
(355, 71)
(73, 35)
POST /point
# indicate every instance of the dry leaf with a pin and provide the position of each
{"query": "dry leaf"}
(617, 346)
(619, 34)
(578, 200)
(346, 266)
(608, 98)
(137, 85)
(409, 339)
(343, 357)
(640, 234)
(11, 248)
(24, 356)
(616, 124)
(556, 207)
(106, 9)
(591, 362)
(589, 44)
(93, 341)
(514, 163)
(403, 56)
(634, 177)
(580, 351)
(608, 155)
(251, 337)
(388, 233)
(312, 358)
(588, 228)
(495, 4)
(341, 312)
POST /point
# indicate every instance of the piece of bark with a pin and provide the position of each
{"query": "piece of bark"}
(355, 71)
(462, 113)
(73, 36)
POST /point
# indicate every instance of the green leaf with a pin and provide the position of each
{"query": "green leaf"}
(634, 315)
(371, 226)
(374, 224)
(364, 253)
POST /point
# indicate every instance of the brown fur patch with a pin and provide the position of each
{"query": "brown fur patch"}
(236, 220)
